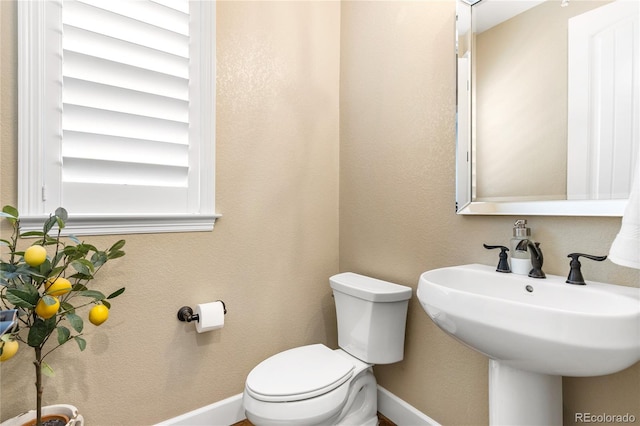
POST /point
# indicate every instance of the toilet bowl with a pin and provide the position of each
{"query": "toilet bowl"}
(310, 385)
(315, 385)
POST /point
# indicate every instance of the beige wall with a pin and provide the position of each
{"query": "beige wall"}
(269, 257)
(397, 219)
(271, 254)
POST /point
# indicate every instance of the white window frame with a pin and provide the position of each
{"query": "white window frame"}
(39, 120)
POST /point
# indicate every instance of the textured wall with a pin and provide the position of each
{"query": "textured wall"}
(397, 215)
(271, 254)
(269, 257)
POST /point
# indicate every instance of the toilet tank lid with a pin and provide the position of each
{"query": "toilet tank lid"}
(368, 288)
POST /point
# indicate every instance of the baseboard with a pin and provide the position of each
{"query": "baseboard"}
(230, 411)
(400, 412)
(221, 413)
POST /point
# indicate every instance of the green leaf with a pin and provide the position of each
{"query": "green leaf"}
(11, 214)
(117, 246)
(80, 277)
(83, 266)
(116, 293)
(22, 298)
(58, 257)
(92, 293)
(61, 216)
(98, 259)
(55, 272)
(86, 248)
(10, 211)
(115, 254)
(67, 308)
(74, 239)
(49, 241)
(28, 271)
(39, 331)
(114, 251)
(20, 272)
(82, 344)
(32, 234)
(70, 250)
(61, 212)
(60, 223)
(8, 267)
(49, 224)
(75, 321)
(63, 334)
(44, 268)
(47, 370)
(79, 287)
(107, 304)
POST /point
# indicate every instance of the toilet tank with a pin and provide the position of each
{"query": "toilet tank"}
(371, 315)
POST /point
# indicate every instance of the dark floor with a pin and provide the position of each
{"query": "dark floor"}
(383, 422)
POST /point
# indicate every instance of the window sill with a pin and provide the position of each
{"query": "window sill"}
(126, 224)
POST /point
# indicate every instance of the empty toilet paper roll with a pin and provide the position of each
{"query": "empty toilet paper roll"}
(210, 316)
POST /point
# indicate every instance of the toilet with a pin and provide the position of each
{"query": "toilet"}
(315, 385)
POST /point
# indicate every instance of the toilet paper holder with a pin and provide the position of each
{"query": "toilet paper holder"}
(185, 314)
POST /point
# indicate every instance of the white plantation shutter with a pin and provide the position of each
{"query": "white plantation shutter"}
(123, 134)
(128, 106)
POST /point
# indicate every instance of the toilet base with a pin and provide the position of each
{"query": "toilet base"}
(361, 407)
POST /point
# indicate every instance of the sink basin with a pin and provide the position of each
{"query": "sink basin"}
(539, 325)
(534, 331)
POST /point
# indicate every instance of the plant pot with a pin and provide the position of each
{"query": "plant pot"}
(67, 412)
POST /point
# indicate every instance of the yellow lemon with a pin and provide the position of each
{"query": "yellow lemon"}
(45, 311)
(35, 255)
(57, 287)
(9, 349)
(98, 314)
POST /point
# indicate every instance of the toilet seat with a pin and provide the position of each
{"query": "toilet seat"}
(299, 373)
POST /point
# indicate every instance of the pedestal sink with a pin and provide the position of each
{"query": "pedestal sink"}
(534, 331)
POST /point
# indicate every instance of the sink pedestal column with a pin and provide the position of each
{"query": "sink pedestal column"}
(518, 397)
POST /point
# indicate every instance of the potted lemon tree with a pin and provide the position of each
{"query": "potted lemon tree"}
(49, 283)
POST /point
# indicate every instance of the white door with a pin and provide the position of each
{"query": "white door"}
(604, 101)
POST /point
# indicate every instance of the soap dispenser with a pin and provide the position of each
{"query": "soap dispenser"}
(520, 259)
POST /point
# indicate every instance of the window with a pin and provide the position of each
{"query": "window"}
(116, 109)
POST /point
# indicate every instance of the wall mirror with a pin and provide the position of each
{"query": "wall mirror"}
(548, 106)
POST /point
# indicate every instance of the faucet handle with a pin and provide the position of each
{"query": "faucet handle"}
(503, 263)
(575, 274)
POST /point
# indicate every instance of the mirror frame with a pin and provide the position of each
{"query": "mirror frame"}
(465, 205)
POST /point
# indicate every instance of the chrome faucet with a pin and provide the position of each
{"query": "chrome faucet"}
(536, 257)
